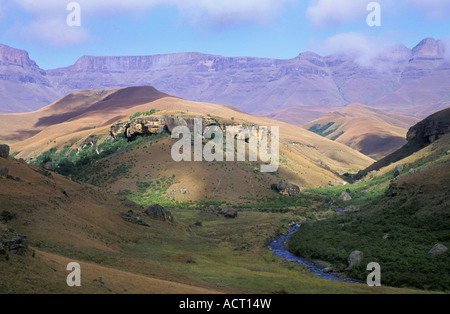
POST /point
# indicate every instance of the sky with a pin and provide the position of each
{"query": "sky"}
(279, 29)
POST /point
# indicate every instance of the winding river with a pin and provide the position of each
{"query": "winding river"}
(280, 248)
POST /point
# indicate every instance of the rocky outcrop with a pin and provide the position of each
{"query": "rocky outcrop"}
(438, 249)
(156, 124)
(159, 213)
(354, 259)
(230, 213)
(287, 189)
(429, 130)
(12, 242)
(345, 196)
(351, 209)
(49, 166)
(133, 217)
(419, 136)
(399, 168)
(4, 151)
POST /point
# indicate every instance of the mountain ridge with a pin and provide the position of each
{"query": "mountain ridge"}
(255, 85)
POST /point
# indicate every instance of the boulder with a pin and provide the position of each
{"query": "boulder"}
(399, 168)
(45, 173)
(49, 166)
(160, 213)
(14, 178)
(229, 213)
(16, 245)
(4, 172)
(133, 217)
(351, 209)
(386, 236)
(4, 151)
(438, 249)
(210, 210)
(288, 189)
(345, 197)
(355, 258)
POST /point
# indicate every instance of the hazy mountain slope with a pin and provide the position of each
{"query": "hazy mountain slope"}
(399, 80)
(23, 85)
(372, 132)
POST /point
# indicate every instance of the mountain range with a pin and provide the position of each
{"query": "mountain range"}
(407, 81)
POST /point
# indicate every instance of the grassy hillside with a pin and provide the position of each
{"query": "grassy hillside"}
(219, 256)
(403, 215)
(306, 159)
(370, 131)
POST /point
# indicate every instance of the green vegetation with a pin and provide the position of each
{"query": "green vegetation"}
(334, 138)
(325, 130)
(403, 256)
(6, 216)
(70, 163)
(13, 155)
(145, 113)
(397, 226)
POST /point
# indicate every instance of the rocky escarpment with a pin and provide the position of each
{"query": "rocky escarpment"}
(419, 136)
(156, 124)
(430, 129)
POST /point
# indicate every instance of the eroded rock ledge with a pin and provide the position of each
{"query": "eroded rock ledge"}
(156, 124)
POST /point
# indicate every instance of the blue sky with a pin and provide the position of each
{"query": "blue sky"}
(260, 28)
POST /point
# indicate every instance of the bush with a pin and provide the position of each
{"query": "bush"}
(7, 216)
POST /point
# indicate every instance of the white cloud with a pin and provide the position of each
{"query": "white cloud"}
(243, 9)
(325, 12)
(47, 14)
(365, 50)
(55, 32)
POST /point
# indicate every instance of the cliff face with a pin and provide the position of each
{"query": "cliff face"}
(430, 129)
(22, 83)
(145, 126)
(11, 56)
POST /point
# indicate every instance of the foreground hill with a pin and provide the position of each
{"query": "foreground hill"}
(70, 222)
(401, 80)
(398, 216)
(67, 222)
(373, 132)
(67, 125)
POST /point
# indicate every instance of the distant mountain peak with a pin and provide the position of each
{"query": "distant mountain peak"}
(9, 55)
(429, 48)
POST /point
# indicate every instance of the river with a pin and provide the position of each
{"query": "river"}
(280, 249)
